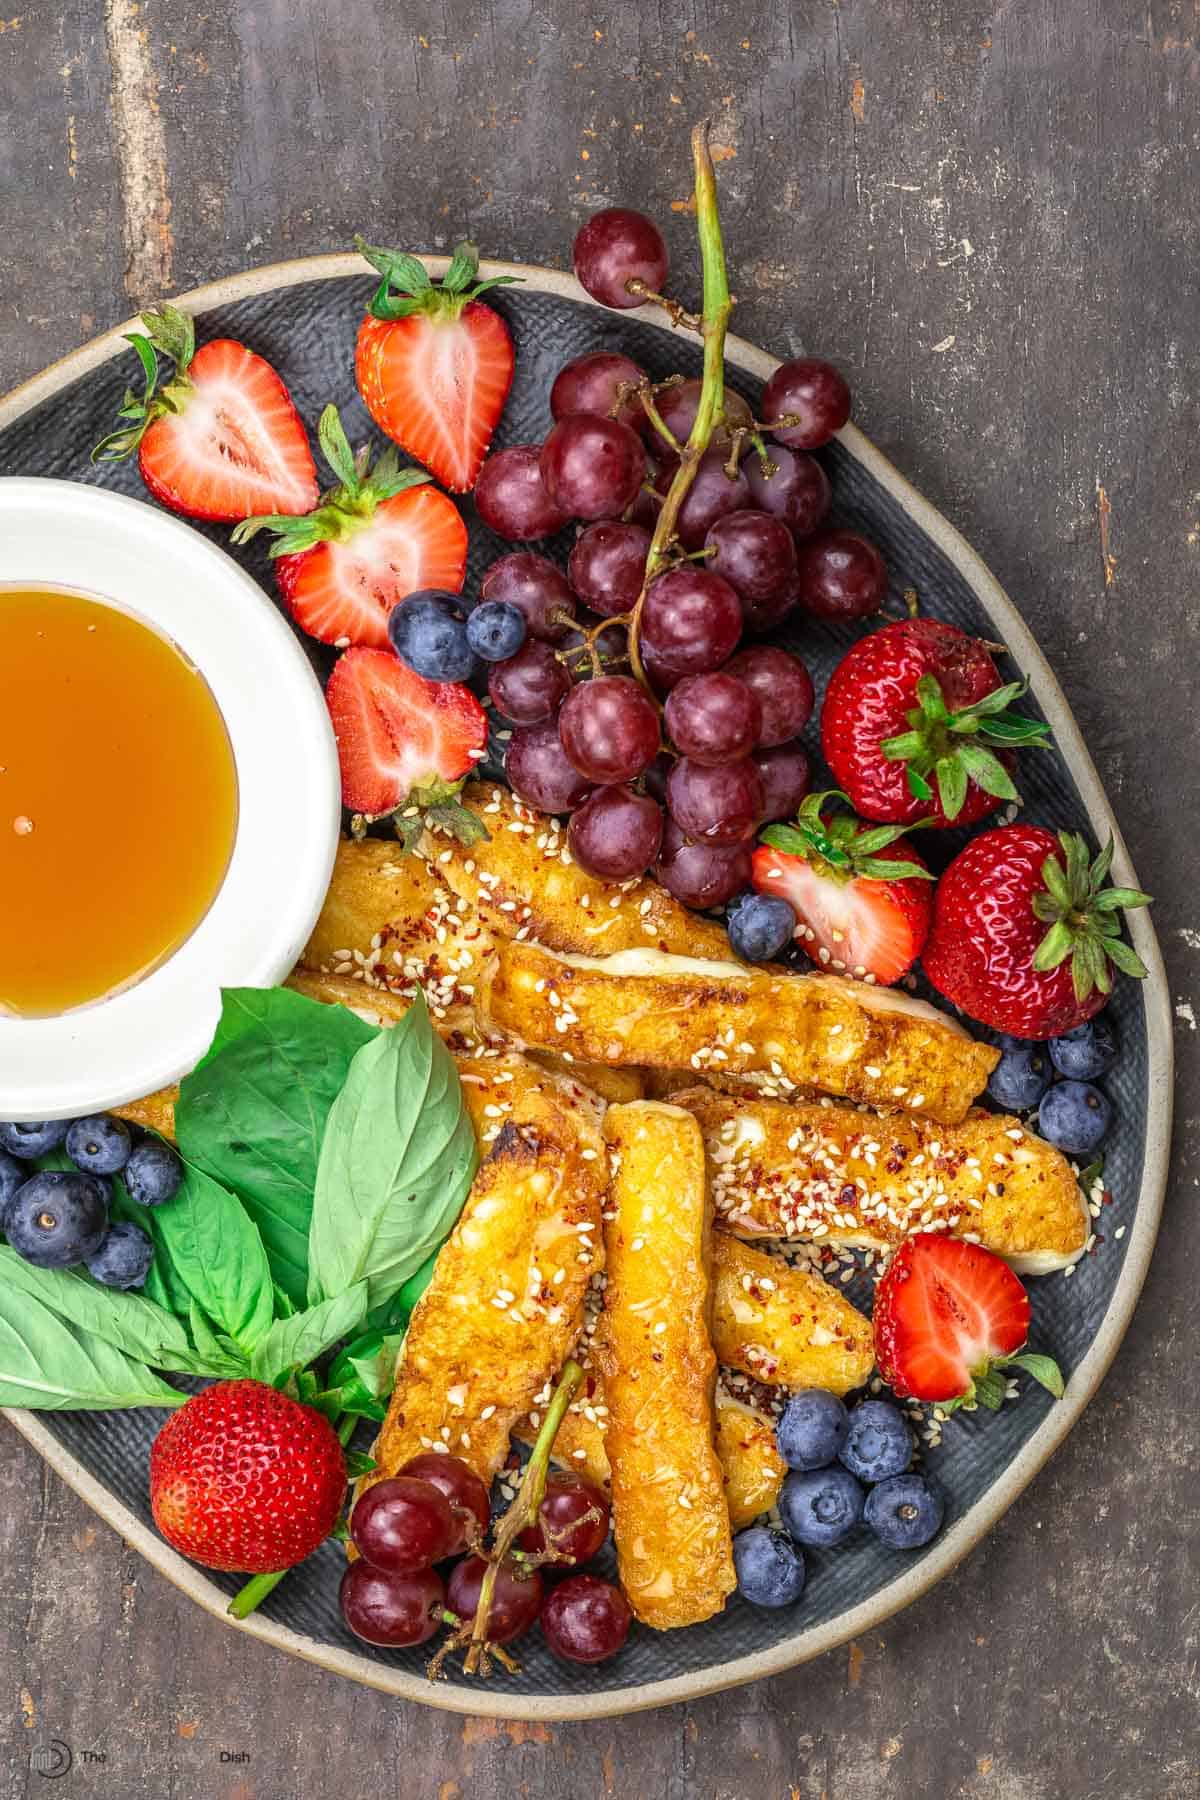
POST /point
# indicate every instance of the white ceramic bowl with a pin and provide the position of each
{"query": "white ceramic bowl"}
(61, 534)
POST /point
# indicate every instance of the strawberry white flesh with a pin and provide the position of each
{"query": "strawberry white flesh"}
(856, 927)
(396, 732)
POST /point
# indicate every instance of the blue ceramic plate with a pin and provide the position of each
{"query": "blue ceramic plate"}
(303, 317)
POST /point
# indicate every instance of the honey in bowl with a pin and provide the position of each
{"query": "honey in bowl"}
(118, 800)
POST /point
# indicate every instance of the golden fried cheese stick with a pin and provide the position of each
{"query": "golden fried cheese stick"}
(745, 1444)
(644, 1008)
(670, 1519)
(834, 1174)
(523, 883)
(787, 1327)
(501, 1313)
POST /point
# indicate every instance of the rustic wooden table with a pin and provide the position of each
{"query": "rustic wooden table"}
(984, 212)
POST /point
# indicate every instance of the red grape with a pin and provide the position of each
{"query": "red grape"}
(677, 407)
(511, 498)
(815, 392)
(754, 552)
(713, 718)
(842, 576)
(403, 1524)
(616, 833)
(786, 771)
(537, 587)
(617, 246)
(721, 805)
(516, 1599)
(797, 491)
(784, 688)
(764, 615)
(531, 685)
(662, 679)
(586, 1620)
(655, 778)
(563, 1523)
(592, 467)
(395, 1611)
(711, 495)
(644, 510)
(609, 728)
(691, 621)
(608, 565)
(465, 1492)
(702, 875)
(590, 383)
(539, 773)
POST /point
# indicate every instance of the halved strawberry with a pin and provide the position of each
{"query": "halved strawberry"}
(949, 1316)
(858, 913)
(221, 439)
(399, 735)
(433, 364)
(375, 538)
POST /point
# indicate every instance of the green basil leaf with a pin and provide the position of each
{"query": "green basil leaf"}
(307, 1335)
(220, 1354)
(253, 1113)
(396, 1164)
(364, 1373)
(213, 1249)
(49, 1365)
(125, 1319)
(1044, 1369)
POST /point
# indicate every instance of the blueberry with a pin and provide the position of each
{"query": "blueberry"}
(428, 633)
(30, 1141)
(759, 926)
(812, 1429)
(770, 1570)
(99, 1145)
(496, 630)
(12, 1175)
(905, 1511)
(878, 1443)
(820, 1506)
(123, 1259)
(56, 1218)
(1075, 1117)
(153, 1173)
(1088, 1051)
(1021, 1077)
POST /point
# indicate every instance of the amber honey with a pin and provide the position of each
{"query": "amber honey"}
(118, 799)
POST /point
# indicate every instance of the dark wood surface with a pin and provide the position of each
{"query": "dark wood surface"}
(986, 214)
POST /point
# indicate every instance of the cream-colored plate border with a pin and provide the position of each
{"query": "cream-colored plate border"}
(491, 1700)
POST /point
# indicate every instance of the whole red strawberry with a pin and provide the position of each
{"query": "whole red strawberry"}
(219, 440)
(381, 534)
(858, 912)
(434, 364)
(916, 723)
(1024, 930)
(949, 1315)
(245, 1479)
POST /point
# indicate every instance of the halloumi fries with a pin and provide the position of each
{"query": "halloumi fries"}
(787, 1327)
(745, 1444)
(670, 1518)
(524, 883)
(643, 1008)
(837, 1175)
(502, 1311)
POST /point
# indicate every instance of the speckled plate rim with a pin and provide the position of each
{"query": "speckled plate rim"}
(491, 1701)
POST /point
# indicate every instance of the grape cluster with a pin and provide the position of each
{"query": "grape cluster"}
(669, 754)
(437, 1508)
